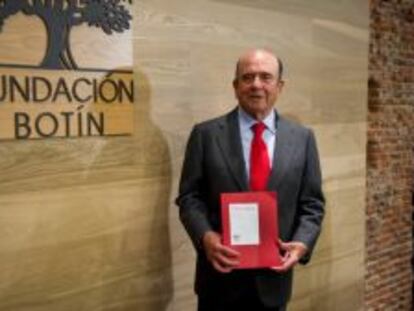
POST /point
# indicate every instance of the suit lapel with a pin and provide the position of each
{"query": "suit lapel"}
(229, 141)
(284, 151)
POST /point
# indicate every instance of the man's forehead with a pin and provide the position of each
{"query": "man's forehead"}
(258, 55)
(258, 64)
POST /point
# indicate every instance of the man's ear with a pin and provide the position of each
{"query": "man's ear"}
(280, 85)
(235, 83)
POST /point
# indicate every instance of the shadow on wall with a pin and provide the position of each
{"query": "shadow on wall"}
(145, 241)
(137, 270)
(84, 222)
(155, 157)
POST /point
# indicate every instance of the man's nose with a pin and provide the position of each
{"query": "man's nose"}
(257, 82)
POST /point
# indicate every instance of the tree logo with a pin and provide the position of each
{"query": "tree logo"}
(59, 16)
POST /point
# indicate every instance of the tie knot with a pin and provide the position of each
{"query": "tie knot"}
(258, 128)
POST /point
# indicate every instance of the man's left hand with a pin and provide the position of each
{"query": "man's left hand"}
(293, 251)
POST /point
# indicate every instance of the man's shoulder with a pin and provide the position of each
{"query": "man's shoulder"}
(290, 124)
(211, 122)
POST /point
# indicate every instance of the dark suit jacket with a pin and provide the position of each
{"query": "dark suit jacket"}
(214, 164)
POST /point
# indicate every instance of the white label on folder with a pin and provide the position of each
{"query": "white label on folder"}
(244, 224)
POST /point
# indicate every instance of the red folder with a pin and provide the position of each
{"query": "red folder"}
(254, 210)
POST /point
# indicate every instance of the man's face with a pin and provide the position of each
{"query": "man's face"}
(257, 85)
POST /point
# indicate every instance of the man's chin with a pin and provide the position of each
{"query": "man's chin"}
(258, 111)
(255, 99)
(258, 106)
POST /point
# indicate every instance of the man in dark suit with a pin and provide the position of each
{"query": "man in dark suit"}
(219, 159)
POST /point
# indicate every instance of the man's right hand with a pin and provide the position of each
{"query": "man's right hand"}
(223, 258)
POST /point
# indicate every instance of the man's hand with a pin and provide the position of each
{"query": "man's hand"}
(293, 251)
(223, 258)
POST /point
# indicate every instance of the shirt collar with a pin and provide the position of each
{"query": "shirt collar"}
(246, 121)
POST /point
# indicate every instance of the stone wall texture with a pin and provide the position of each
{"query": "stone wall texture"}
(388, 282)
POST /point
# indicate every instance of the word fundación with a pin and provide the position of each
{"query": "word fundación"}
(82, 90)
(78, 103)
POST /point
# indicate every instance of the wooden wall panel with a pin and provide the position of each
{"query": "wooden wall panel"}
(83, 221)
(90, 223)
(189, 49)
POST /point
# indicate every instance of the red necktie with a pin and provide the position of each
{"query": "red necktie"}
(259, 160)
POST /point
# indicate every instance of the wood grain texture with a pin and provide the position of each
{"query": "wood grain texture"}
(189, 51)
(90, 224)
(84, 223)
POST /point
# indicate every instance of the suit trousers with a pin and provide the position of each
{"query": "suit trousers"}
(248, 300)
(246, 304)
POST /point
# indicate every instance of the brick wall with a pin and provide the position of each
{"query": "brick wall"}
(390, 156)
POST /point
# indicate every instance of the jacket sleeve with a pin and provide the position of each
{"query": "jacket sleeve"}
(192, 198)
(311, 200)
